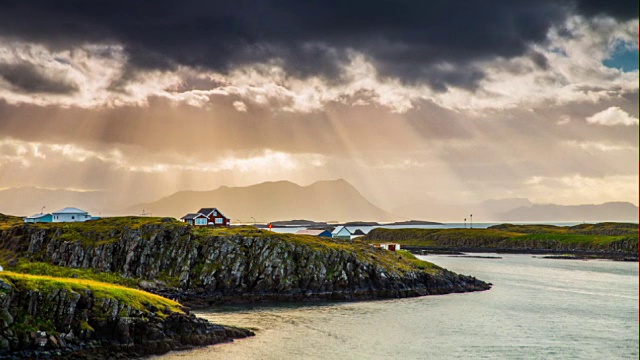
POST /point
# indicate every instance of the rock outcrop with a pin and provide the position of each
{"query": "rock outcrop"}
(45, 318)
(204, 266)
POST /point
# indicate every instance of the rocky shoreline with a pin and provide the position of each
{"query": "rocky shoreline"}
(59, 322)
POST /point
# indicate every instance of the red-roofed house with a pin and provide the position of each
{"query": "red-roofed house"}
(207, 216)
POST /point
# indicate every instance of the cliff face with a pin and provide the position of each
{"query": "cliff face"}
(203, 266)
(43, 317)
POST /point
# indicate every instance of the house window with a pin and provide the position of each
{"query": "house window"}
(201, 221)
(219, 221)
(73, 218)
(215, 213)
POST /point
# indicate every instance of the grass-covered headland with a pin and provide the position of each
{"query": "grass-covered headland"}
(604, 240)
(201, 266)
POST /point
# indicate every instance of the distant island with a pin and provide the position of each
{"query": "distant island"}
(617, 241)
(321, 224)
(414, 222)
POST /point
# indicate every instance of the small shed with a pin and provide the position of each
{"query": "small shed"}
(341, 232)
(313, 232)
(36, 218)
(387, 246)
(393, 246)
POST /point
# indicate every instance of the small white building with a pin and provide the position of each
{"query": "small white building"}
(341, 232)
(71, 214)
(387, 246)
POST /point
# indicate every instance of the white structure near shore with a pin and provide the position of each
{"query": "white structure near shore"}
(71, 214)
(341, 232)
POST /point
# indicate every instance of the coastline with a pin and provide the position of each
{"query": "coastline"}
(551, 254)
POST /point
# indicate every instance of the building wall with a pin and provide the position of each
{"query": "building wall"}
(46, 218)
(71, 217)
(218, 220)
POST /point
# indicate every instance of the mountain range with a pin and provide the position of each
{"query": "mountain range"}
(610, 211)
(335, 200)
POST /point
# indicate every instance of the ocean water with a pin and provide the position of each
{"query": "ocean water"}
(537, 309)
(482, 225)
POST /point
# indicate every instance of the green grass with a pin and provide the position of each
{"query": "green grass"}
(7, 221)
(136, 299)
(420, 264)
(107, 230)
(39, 268)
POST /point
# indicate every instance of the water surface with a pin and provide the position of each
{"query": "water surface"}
(538, 309)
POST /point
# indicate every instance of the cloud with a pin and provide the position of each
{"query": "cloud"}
(591, 145)
(612, 116)
(27, 153)
(240, 106)
(26, 78)
(403, 40)
(566, 66)
(576, 189)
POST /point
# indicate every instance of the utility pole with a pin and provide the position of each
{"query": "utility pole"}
(465, 223)
(471, 221)
(254, 221)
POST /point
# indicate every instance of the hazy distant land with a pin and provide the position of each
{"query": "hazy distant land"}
(334, 202)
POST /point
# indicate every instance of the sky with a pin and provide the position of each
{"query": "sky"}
(412, 102)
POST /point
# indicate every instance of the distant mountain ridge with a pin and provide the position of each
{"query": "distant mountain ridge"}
(610, 211)
(335, 200)
(25, 201)
(520, 209)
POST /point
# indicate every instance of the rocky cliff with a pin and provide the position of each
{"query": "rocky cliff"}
(205, 266)
(44, 317)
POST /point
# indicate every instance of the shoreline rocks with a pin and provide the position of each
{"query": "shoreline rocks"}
(59, 322)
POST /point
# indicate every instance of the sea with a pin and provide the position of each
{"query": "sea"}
(538, 308)
(480, 225)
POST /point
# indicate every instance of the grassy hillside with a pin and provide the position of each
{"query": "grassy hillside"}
(604, 237)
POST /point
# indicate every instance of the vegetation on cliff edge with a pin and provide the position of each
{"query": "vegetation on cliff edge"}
(593, 236)
(136, 299)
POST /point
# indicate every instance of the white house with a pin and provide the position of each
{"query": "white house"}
(70, 214)
(341, 232)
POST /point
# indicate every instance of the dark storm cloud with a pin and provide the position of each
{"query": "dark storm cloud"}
(621, 9)
(26, 78)
(405, 39)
